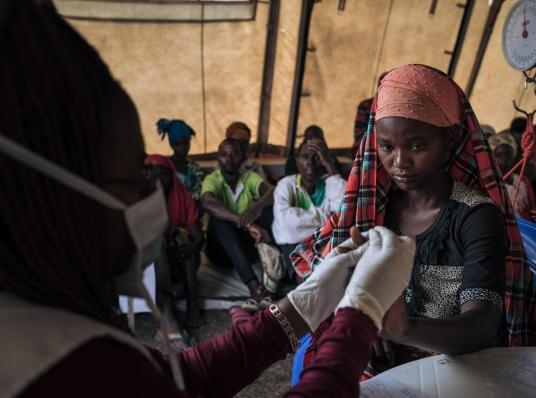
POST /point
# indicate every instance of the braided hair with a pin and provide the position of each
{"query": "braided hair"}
(53, 96)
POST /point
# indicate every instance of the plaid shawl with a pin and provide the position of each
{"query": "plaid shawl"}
(472, 163)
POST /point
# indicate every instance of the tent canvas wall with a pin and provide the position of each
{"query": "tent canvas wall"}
(210, 73)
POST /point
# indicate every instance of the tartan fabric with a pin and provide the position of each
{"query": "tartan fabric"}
(361, 118)
(365, 200)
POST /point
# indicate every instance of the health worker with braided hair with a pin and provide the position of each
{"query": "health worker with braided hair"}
(98, 222)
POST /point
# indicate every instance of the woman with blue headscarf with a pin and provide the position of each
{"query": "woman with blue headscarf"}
(184, 243)
(187, 171)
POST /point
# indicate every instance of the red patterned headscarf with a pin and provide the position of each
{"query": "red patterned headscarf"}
(427, 94)
(182, 209)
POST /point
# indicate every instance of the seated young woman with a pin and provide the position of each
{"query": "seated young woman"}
(425, 170)
(239, 204)
(179, 135)
(504, 147)
(183, 241)
(304, 201)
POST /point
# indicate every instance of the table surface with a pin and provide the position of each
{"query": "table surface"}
(469, 375)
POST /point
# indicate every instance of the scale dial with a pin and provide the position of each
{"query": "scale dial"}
(519, 35)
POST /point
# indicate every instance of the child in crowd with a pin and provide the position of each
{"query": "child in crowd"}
(424, 169)
(186, 170)
(184, 240)
(239, 204)
(242, 133)
(504, 147)
(304, 201)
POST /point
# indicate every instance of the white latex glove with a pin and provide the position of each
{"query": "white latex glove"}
(347, 244)
(381, 274)
(316, 298)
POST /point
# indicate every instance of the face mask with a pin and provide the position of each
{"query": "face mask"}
(146, 221)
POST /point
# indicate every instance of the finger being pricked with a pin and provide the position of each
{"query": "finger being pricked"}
(356, 239)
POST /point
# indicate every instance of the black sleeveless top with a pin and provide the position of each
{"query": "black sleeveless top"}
(459, 258)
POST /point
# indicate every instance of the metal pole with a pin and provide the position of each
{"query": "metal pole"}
(268, 75)
(467, 12)
(305, 22)
(488, 29)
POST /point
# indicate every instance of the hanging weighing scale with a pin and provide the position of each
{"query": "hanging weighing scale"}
(519, 49)
(519, 38)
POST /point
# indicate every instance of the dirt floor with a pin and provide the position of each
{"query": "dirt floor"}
(272, 383)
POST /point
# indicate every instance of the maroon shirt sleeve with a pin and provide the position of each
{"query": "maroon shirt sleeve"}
(215, 368)
(222, 366)
(343, 352)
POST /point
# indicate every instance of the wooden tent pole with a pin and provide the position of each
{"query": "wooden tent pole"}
(305, 22)
(460, 39)
(493, 13)
(268, 75)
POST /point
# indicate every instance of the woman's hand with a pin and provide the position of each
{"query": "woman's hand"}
(395, 325)
(395, 321)
(355, 240)
(383, 350)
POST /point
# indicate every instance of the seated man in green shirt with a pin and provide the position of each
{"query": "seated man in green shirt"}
(238, 203)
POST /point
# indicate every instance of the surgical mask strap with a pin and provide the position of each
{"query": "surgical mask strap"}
(37, 162)
(164, 329)
(31, 159)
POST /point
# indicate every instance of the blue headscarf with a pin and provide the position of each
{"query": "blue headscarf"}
(174, 129)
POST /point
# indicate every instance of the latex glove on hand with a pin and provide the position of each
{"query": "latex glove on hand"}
(381, 274)
(356, 239)
(316, 298)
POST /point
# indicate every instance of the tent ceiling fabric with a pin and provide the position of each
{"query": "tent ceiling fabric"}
(160, 10)
(355, 47)
(210, 74)
(186, 71)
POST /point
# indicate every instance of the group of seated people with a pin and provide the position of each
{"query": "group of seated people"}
(243, 210)
(421, 256)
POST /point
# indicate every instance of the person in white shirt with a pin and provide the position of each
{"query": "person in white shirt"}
(303, 201)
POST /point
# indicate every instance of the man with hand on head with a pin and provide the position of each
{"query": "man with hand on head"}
(304, 201)
(314, 135)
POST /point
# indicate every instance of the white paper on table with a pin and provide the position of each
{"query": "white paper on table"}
(386, 386)
(520, 375)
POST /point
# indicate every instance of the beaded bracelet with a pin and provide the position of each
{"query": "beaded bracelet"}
(286, 326)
